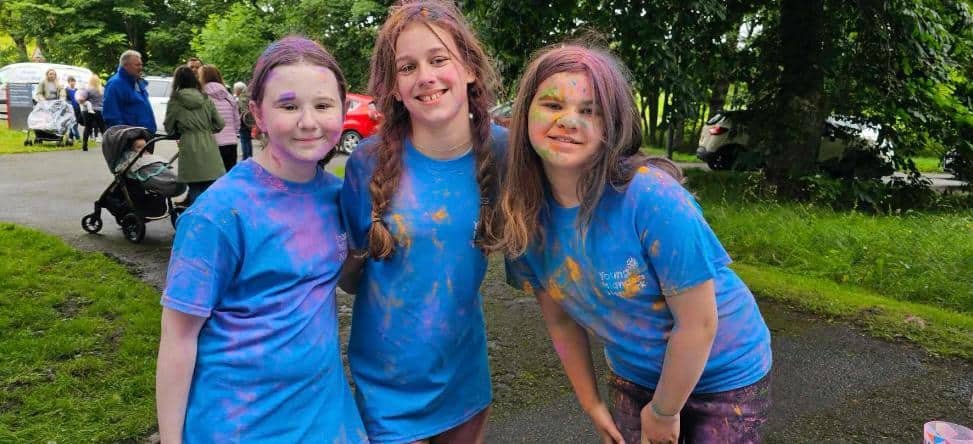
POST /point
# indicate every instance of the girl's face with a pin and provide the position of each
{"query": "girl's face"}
(430, 80)
(301, 112)
(564, 124)
(51, 75)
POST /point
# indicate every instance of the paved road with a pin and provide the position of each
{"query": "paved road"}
(831, 383)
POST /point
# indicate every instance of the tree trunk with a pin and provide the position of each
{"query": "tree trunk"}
(646, 130)
(653, 98)
(797, 136)
(717, 99)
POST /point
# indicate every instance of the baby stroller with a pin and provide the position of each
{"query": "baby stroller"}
(130, 201)
(50, 120)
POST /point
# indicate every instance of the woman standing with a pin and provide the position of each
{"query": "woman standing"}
(49, 88)
(90, 99)
(195, 119)
(226, 105)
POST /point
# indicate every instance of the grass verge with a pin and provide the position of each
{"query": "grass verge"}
(12, 142)
(941, 332)
(676, 155)
(80, 335)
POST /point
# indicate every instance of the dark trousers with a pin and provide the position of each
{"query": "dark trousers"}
(228, 153)
(93, 123)
(195, 189)
(246, 144)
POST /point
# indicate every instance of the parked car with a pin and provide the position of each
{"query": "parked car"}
(502, 113)
(361, 120)
(159, 90)
(32, 73)
(723, 140)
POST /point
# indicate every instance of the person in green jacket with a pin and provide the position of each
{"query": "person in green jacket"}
(194, 118)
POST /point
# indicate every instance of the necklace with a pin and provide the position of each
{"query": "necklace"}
(443, 150)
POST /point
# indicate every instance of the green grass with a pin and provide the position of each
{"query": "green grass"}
(927, 164)
(899, 276)
(676, 156)
(79, 342)
(12, 142)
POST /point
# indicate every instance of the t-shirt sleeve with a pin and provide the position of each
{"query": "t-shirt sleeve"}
(202, 264)
(521, 276)
(355, 200)
(676, 240)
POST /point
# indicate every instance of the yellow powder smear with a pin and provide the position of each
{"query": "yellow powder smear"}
(403, 232)
(574, 271)
(631, 286)
(658, 305)
(654, 251)
(737, 410)
(643, 169)
(529, 289)
(554, 290)
(440, 215)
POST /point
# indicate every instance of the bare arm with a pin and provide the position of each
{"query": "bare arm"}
(695, 315)
(571, 344)
(174, 371)
(351, 271)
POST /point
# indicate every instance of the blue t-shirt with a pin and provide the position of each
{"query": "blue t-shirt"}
(418, 350)
(259, 257)
(645, 242)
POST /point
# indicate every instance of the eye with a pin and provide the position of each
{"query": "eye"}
(405, 69)
(288, 106)
(588, 111)
(324, 106)
(551, 105)
(437, 61)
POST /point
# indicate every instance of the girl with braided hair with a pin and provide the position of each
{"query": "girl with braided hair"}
(417, 201)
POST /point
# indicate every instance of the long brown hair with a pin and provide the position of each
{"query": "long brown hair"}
(615, 163)
(393, 131)
(209, 74)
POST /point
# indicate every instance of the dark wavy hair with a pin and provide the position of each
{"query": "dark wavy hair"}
(184, 77)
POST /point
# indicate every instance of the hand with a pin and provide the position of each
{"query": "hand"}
(605, 425)
(659, 429)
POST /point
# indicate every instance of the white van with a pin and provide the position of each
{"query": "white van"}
(32, 73)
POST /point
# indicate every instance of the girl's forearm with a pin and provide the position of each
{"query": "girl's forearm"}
(177, 360)
(686, 356)
(572, 347)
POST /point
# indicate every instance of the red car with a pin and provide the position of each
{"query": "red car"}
(361, 120)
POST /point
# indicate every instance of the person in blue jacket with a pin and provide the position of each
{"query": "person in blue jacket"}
(126, 97)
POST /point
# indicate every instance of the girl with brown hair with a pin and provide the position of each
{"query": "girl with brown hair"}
(417, 200)
(226, 105)
(611, 243)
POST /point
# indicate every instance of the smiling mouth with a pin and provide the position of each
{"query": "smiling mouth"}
(431, 97)
(564, 139)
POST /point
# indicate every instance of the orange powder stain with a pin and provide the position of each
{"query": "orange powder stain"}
(440, 215)
(574, 271)
(658, 305)
(736, 409)
(529, 289)
(643, 169)
(402, 230)
(631, 286)
(654, 251)
(554, 290)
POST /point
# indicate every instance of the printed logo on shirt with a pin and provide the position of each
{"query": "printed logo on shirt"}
(342, 242)
(626, 282)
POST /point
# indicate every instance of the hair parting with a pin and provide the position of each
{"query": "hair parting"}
(435, 15)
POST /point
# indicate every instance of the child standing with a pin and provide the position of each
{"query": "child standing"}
(226, 106)
(249, 349)
(417, 201)
(615, 246)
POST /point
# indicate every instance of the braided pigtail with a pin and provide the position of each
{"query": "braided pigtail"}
(385, 180)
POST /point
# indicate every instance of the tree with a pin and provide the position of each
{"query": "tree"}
(233, 41)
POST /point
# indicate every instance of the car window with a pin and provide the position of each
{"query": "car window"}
(159, 88)
(716, 118)
(350, 105)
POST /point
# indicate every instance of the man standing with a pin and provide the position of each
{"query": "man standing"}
(126, 99)
(194, 64)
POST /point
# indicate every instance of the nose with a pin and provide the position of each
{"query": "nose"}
(567, 121)
(425, 75)
(307, 119)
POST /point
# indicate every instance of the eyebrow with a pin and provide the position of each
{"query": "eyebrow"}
(285, 96)
(431, 51)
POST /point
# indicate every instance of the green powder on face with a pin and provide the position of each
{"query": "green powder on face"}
(550, 92)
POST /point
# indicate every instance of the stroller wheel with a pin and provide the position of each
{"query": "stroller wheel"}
(133, 228)
(91, 223)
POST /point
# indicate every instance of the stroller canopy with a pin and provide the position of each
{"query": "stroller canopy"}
(118, 139)
(53, 116)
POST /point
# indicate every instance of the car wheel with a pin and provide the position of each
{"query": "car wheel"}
(133, 228)
(349, 140)
(724, 158)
